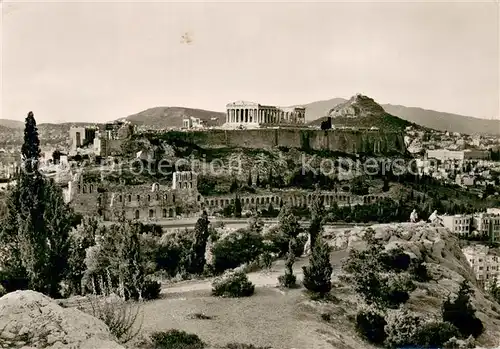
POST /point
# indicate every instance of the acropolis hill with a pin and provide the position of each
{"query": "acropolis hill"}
(348, 141)
(254, 125)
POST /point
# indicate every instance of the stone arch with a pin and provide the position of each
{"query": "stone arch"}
(155, 187)
(272, 199)
(157, 197)
(91, 188)
(151, 213)
(99, 201)
(165, 197)
(267, 200)
(138, 198)
(164, 213)
(137, 214)
(173, 198)
(120, 198)
(227, 201)
(129, 198)
(84, 189)
(170, 212)
(149, 197)
(252, 200)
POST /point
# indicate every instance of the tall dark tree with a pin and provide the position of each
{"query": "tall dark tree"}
(317, 216)
(37, 223)
(250, 183)
(237, 207)
(317, 275)
(461, 313)
(32, 233)
(290, 227)
(197, 261)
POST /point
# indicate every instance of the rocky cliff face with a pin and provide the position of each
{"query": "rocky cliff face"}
(363, 112)
(446, 264)
(356, 107)
(29, 319)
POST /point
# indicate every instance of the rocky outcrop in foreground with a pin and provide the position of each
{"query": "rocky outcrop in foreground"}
(29, 319)
(447, 266)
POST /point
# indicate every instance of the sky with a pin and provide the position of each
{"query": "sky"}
(99, 61)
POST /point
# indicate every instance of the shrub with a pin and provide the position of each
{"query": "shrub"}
(151, 290)
(2, 291)
(232, 284)
(279, 242)
(461, 313)
(172, 252)
(287, 280)
(395, 290)
(243, 346)
(395, 260)
(176, 339)
(435, 334)
(317, 275)
(240, 247)
(120, 316)
(370, 324)
(401, 329)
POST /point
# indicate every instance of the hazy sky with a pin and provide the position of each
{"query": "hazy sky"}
(97, 61)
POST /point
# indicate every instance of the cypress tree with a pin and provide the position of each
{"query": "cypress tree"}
(237, 207)
(317, 275)
(317, 214)
(37, 224)
(197, 254)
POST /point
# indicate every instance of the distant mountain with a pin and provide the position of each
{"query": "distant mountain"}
(316, 110)
(362, 111)
(445, 121)
(15, 124)
(164, 117)
(428, 118)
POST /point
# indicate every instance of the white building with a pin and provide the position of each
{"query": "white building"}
(487, 224)
(485, 263)
(484, 223)
(192, 122)
(458, 224)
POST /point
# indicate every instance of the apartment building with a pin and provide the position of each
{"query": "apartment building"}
(485, 263)
(458, 224)
(483, 223)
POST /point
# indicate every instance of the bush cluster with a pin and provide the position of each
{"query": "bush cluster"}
(175, 339)
(232, 284)
(240, 247)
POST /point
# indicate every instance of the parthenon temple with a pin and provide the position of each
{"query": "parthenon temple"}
(242, 112)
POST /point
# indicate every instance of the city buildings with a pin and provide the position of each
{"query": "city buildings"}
(485, 224)
(458, 224)
(485, 263)
(458, 155)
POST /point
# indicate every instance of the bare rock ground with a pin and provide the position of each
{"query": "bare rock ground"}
(29, 319)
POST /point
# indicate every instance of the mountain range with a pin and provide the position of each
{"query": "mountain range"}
(428, 118)
(162, 117)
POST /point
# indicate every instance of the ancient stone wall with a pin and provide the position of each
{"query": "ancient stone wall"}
(347, 141)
